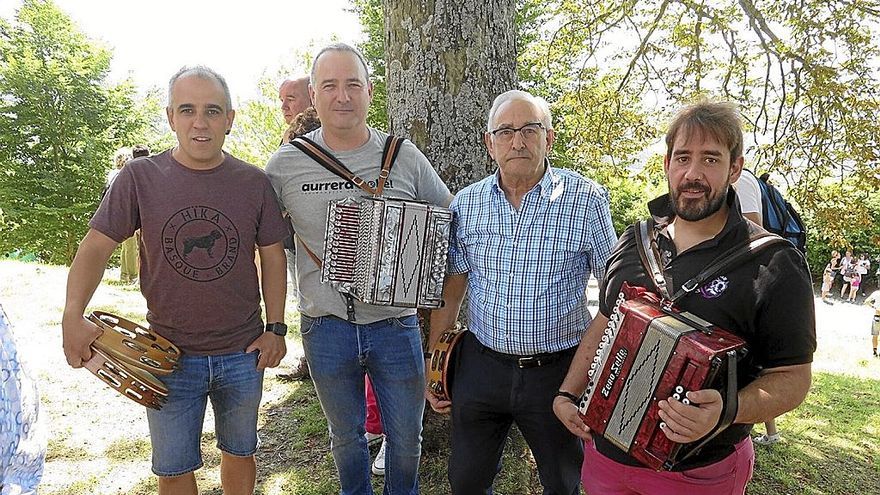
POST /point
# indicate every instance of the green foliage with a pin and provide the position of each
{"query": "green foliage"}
(372, 18)
(258, 126)
(829, 229)
(805, 74)
(150, 125)
(59, 125)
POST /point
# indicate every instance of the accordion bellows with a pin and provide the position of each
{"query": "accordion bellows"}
(387, 251)
(647, 354)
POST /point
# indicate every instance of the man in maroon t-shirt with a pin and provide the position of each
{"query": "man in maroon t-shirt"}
(201, 213)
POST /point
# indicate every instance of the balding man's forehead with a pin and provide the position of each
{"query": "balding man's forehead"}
(295, 86)
(175, 95)
(323, 66)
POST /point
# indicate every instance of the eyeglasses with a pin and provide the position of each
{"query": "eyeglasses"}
(529, 132)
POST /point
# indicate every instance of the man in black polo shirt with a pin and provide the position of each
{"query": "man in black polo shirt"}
(767, 301)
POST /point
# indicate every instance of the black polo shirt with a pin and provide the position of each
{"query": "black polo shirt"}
(768, 301)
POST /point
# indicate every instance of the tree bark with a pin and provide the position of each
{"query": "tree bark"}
(446, 61)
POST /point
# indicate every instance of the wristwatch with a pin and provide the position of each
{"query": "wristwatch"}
(279, 329)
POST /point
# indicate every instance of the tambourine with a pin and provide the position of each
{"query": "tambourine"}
(127, 356)
(441, 370)
(134, 344)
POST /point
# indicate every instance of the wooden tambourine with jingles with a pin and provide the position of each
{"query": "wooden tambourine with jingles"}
(127, 356)
(441, 369)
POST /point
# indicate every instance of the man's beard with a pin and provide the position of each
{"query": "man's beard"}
(696, 209)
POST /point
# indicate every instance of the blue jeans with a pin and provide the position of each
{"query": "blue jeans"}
(235, 388)
(390, 351)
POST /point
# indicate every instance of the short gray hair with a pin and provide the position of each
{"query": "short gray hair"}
(516, 94)
(202, 72)
(340, 47)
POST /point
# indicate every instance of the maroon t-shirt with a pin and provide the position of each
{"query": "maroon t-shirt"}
(198, 233)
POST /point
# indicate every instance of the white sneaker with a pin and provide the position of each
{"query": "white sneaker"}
(373, 437)
(766, 439)
(379, 464)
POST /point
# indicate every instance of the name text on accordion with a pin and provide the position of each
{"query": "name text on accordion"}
(616, 368)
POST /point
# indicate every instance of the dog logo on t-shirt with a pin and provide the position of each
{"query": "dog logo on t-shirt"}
(200, 243)
(205, 242)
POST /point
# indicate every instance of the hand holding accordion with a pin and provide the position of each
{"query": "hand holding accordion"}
(652, 352)
(649, 354)
(127, 356)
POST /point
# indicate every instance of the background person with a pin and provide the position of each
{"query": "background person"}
(854, 284)
(294, 97)
(129, 262)
(874, 301)
(22, 432)
(863, 268)
(128, 252)
(847, 269)
(829, 274)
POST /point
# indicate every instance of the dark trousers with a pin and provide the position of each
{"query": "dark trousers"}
(489, 394)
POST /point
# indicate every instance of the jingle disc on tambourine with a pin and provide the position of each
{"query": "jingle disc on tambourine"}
(134, 344)
(441, 366)
(126, 356)
(135, 384)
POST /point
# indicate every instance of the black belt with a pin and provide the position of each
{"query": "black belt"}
(526, 362)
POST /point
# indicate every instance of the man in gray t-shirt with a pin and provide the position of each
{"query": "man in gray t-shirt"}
(383, 342)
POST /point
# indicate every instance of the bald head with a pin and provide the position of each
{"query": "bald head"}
(294, 96)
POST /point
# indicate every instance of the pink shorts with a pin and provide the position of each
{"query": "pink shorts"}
(603, 476)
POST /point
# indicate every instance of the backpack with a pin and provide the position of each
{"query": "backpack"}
(780, 217)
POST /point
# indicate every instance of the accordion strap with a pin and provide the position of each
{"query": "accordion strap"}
(730, 406)
(311, 253)
(389, 156)
(647, 246)
(326, 159)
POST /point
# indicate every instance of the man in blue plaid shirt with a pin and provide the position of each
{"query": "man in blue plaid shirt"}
(525, 241)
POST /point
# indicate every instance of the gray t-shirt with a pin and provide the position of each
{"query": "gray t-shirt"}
(198, 233)
(305, 188)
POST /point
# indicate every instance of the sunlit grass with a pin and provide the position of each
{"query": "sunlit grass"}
(830, 445)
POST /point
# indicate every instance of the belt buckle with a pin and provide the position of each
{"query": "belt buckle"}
(528, 362)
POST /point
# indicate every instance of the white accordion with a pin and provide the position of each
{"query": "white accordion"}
(386, 251)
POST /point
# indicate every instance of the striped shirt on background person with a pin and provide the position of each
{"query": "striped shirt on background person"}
(528, 269)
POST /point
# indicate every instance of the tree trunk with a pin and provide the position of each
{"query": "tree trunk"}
(446, 61)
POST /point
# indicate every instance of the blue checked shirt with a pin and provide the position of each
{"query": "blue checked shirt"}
(528, 269)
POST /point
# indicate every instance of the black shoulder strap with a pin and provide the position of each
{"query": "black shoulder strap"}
(730, 406)
(647, 248)
(645, 233)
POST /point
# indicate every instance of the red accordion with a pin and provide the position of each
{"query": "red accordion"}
(651, 351)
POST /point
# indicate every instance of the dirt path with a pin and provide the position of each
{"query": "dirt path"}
(100, 439)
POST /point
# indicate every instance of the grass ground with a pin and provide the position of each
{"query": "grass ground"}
(99, 445)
